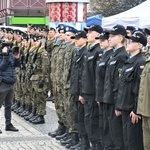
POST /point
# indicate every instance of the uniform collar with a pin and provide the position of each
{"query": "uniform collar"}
(118, 50)
(93, 47)
(131, 60)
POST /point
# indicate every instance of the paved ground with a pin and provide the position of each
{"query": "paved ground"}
(30, 137)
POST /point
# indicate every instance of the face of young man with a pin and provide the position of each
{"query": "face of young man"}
(68, 37)
(61, 35)
(91, 35)
(80, 42)
(51, 34)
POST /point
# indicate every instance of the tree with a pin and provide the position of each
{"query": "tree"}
(112, 7)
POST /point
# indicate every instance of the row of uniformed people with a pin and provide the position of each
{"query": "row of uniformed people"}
(32, 77)
(104, 88)
(106, 84)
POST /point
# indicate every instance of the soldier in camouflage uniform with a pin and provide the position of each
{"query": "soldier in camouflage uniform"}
(29, 97)
(39, 80)
(50, 42)
(26, 44)
(53, 76)
(18, 92)
(69, 106)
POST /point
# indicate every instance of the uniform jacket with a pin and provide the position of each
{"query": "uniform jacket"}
(7, 68)
(129, 83)
(88, 76)
(100, 74)
(41, 65)
(76, 72)
(144, 92)
(113, 69)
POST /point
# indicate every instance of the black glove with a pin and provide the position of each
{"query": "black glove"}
(41, 83)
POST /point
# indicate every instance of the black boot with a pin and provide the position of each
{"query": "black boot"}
(85, 144)
(60, 131)
(66, 140)
(74, 140)
(24, 112)
(33, 118)
(17, 105)
(59, 137)
(39, 120)
(21, 109)
(29, 111)
(33, 113)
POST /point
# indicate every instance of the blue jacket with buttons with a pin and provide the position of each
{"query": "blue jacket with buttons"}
(7, 68)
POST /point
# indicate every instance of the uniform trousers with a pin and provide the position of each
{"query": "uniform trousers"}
(115, 127)
(132, 133)
(146, 132)
(91, 118)
(6, 98)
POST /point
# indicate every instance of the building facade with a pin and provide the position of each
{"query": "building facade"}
(22, 12)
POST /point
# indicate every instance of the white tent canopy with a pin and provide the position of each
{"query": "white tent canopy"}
(138, 16)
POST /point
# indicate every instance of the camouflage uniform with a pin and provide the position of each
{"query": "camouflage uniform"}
(40, 73)
(69, 104)
(17, 87)
(49, 48)
(59, 85)
(28, 83)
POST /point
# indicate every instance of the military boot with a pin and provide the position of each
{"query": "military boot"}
(74, 140)
(85, 144)
(16, 106)
(24, 112)
(66, 140)
(21, 110)
(39, 120)
(31, 114)
(18, 109)
(59, 137)
(29, 111)
(60, 131)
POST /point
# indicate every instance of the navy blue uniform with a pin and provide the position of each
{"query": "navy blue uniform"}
(127, 101)
(113, 70)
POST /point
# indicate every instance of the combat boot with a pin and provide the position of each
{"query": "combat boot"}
(16, 106)
(60, 131)
(29, 111)
(66, 140)
(39, 120)
(18, 109)
(31, 114)
(21, 110)
(74, 140)
(59, 137)
(85, 144)
(33, 118)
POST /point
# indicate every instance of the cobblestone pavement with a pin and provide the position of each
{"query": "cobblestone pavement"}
(30, 137)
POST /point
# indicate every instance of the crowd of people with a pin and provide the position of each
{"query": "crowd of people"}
(99, 80)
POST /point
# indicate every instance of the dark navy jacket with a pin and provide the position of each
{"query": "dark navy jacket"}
(100, 74)
(113, 70)
(76, 72)
(129, 83)
(88, 76)
(7, 68)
